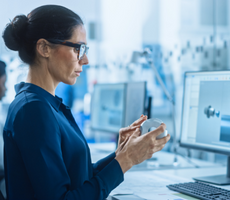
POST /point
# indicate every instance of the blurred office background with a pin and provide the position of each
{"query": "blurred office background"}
(184, 35)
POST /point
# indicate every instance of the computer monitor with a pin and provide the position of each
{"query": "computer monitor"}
(114, 106)
(205, 123)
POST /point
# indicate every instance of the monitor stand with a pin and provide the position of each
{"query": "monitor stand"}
(218, 179)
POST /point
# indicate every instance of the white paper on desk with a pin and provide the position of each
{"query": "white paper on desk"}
(151, 196)
(160, 195)
(172, 178)
(119, 191)
(148, 185)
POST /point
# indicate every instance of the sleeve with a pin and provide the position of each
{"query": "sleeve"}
(38, 138)
(99, 165)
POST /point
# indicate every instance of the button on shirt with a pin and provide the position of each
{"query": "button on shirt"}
(46, 155)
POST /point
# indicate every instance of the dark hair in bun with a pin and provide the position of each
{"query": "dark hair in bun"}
(14, 32)
(47, 22)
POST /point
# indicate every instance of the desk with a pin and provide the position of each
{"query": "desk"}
(156, 189)
(149, 181)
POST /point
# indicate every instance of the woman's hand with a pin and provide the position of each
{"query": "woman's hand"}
(126, 132)
(135, 149)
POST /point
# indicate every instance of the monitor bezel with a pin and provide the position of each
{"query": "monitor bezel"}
(196, 146)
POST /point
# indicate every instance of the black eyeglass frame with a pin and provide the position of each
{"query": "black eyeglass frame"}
(78, 47)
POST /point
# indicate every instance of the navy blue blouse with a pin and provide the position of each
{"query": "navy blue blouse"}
(46, 155)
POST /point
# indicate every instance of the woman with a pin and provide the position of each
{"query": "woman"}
(46, 155)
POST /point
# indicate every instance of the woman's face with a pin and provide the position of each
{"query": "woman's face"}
(64, 64)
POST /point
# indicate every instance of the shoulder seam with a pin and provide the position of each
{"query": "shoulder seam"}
(25, 96)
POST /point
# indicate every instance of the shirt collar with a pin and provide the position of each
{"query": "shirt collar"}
(55, 101)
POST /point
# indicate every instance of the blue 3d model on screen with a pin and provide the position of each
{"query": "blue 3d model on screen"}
(210, 112)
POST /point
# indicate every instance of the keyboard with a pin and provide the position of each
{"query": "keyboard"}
(201, 191)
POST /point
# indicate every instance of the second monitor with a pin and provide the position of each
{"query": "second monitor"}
(206, 116)
(114, 106)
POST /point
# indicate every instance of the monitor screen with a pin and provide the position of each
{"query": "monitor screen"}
(107, 107)
(114, 106)
(205, 123)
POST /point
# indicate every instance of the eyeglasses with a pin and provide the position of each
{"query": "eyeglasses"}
(82, 49)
